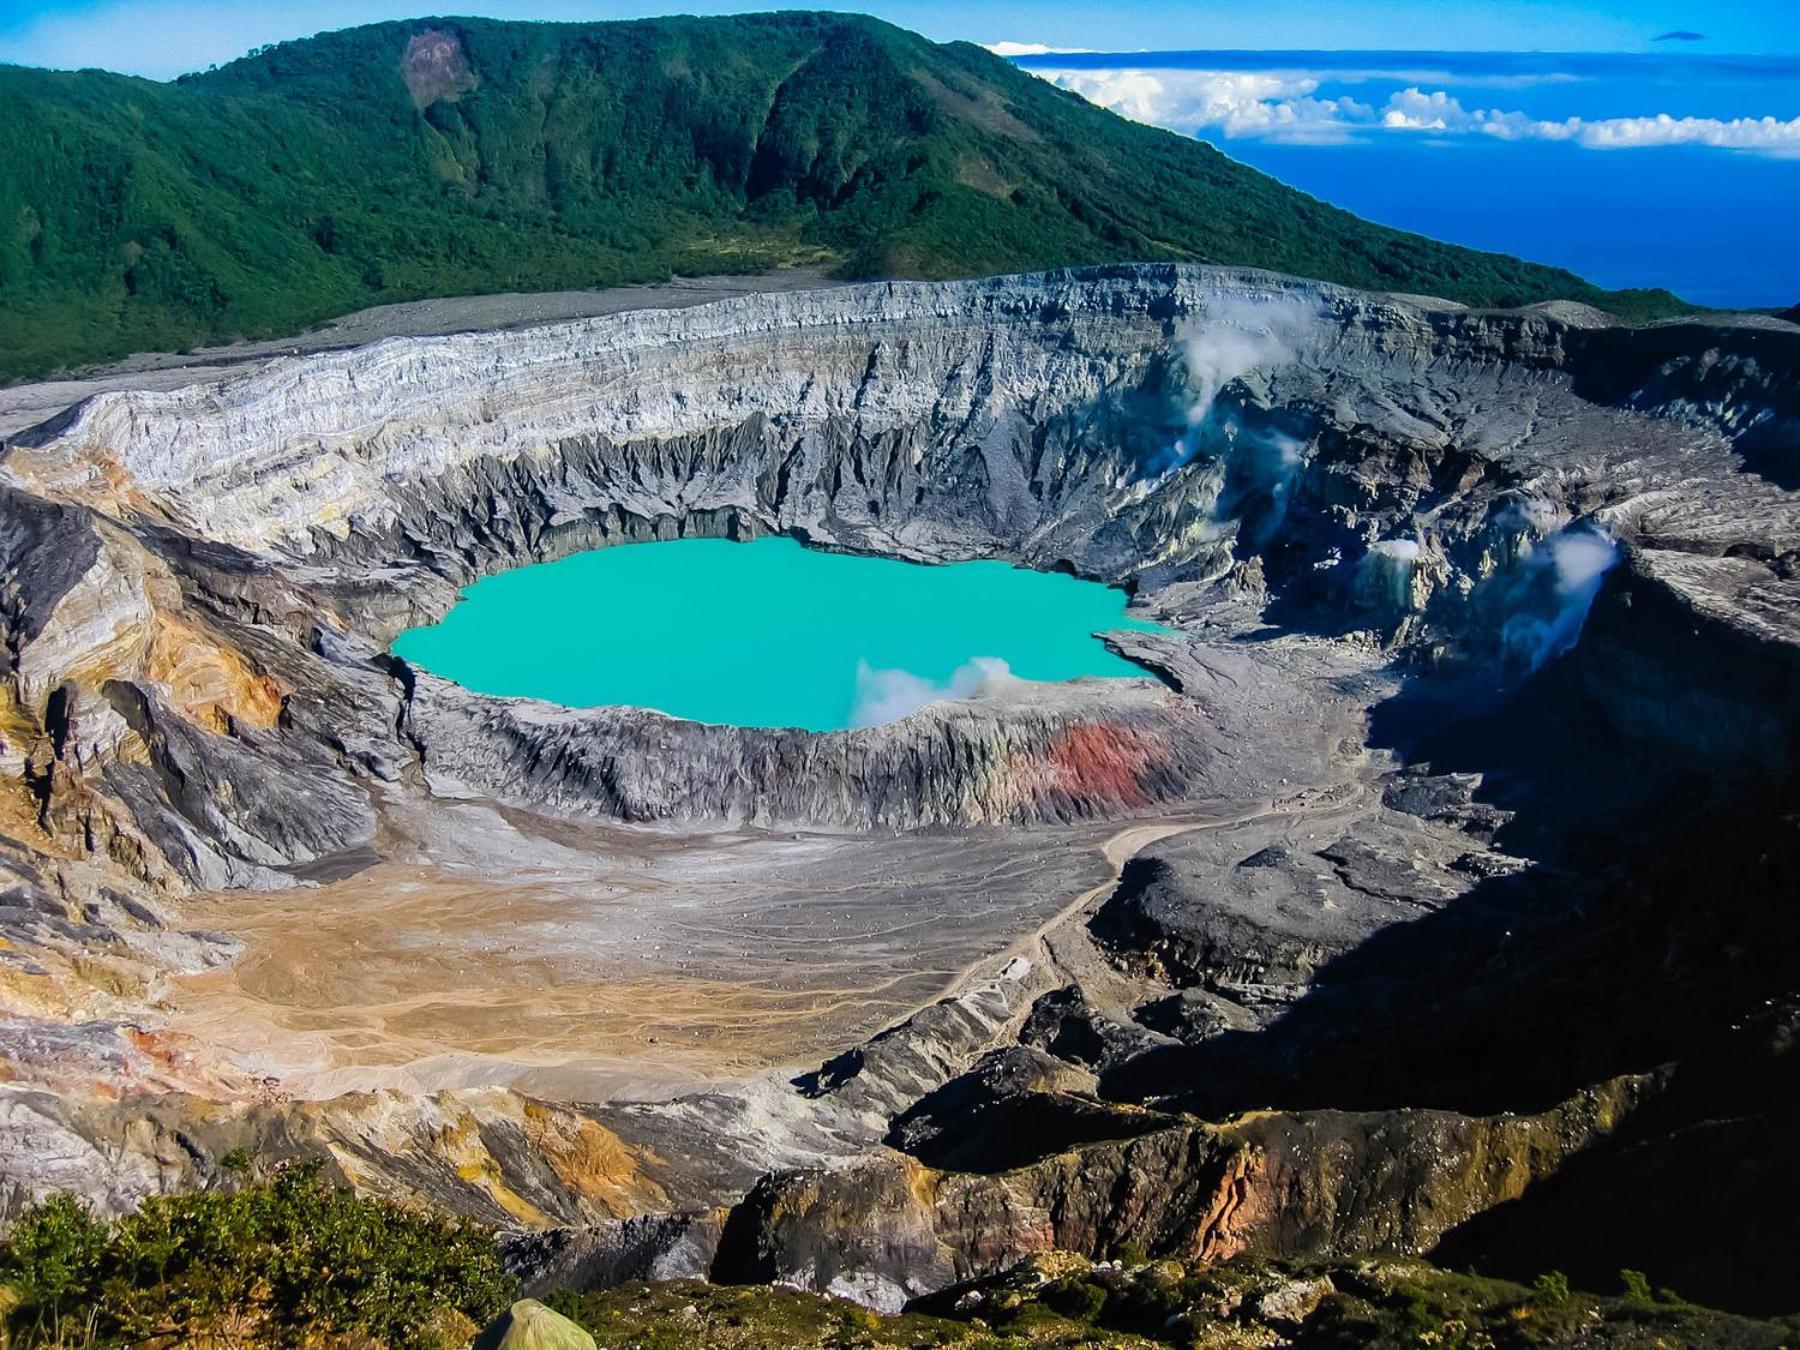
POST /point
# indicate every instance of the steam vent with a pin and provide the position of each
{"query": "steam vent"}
(1414, 870)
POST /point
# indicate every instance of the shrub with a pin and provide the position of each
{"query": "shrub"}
(288, 1257)
(238, 1162)
(56, 1252)
(1551, 1287)
(1419, 1308)
(1076, 1300)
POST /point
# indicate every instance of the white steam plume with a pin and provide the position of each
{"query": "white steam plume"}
(884, 696)
(1564, 573)
(1254, 466)
(1235, 336)
(1385, 574)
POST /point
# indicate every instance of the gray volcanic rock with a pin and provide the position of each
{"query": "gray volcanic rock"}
(1258, 923)
(1010, 755)
(227, 810)
(1406, 460)
(1480, 620)
(650, 1247)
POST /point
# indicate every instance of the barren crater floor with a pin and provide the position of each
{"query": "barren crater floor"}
(590, 963)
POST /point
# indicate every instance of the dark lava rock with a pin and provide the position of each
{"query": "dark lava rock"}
(1448, 798)
(1062, 1024)
(1486, 865)
(1273, 856)
(1384, 873)
(1015, 1107)
(1191, 1016)
(649, 1247)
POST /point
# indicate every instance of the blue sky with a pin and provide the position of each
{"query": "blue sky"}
(161, 38)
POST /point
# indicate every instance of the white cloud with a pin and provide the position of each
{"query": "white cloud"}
(1762, 134)
(1012, 49)
(1440, 113)
(1283, 106)
(1271, 105)
(884, 696)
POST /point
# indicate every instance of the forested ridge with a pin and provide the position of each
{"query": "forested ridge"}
(440, 157)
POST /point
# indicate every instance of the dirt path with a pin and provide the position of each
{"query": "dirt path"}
(1118, 850)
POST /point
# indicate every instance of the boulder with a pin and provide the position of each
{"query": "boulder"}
(529, 1325)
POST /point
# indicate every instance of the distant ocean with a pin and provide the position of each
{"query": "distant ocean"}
(1678, 170)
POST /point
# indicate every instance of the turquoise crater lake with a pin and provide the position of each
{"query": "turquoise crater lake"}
(767, 634)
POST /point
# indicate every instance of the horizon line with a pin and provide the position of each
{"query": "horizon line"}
(1067, 55)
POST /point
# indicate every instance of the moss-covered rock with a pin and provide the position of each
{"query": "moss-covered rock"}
(529, 1325)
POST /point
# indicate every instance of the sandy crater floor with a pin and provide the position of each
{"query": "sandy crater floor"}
(585, 961)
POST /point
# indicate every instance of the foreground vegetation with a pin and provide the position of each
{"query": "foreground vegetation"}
(286, 1261)
(1063, 1300)
(290, 1261)
(440, 157)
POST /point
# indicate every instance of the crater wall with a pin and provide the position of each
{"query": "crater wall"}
(1362, 515)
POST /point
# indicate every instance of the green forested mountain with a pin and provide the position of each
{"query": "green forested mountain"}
(443, 156)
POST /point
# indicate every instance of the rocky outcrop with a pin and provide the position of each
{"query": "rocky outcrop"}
(1021, 756)
(1269, 920)
(891, 1229)
(529, 1325)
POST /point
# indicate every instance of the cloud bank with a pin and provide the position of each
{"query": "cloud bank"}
(1284, 106)
(1012, 49)
(1274, 105)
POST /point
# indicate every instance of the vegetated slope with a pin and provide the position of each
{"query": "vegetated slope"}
(285, 1258)
(435, 157)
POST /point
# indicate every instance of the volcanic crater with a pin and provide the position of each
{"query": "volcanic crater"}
(1372, 919)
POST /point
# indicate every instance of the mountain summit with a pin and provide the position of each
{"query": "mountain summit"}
(448, 156)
